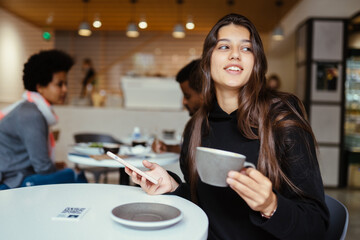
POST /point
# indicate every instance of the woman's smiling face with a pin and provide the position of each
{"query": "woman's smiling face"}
(232, 59)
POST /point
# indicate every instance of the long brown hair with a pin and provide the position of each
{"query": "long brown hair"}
(260, 112)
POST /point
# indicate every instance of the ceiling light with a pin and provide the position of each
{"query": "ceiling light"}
(50, 19)
(97, 22)
(179, 31)
(142, 23)
(132, 30)
(190, 24)
(278, 34)
(84, 27)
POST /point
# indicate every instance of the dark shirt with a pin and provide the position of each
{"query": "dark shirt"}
(231, 218)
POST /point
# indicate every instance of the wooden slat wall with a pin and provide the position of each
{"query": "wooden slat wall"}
(115, 55)
(18, 41)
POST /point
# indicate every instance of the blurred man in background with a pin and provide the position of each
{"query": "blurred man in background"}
(189, 78)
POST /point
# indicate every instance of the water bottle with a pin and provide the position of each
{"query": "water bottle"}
(136, 133)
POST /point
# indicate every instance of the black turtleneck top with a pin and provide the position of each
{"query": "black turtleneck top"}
(230, 217)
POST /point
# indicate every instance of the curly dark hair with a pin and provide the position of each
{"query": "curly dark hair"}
(191, 72)
(40, 67)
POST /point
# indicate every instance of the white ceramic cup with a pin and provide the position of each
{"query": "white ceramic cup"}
(213, 165)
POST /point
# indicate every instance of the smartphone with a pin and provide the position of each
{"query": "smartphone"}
(135, 169)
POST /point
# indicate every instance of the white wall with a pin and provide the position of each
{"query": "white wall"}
(318, 8)
(18, 41)
(283, 64)
(281, 54)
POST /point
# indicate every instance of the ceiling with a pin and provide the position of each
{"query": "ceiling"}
(161, 15)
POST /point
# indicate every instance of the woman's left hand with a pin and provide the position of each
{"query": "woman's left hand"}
(255, 189)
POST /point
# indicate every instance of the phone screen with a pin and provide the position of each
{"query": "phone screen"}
(133, 168)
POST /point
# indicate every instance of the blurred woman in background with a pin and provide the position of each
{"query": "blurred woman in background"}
(89, 80)
(273, 82)
(26, 142)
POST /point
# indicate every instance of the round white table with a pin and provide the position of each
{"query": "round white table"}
(27, 213)
(162, 159)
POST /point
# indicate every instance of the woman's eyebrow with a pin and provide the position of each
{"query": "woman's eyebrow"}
(228, 40)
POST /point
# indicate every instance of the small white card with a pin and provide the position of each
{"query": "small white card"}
(71, 213)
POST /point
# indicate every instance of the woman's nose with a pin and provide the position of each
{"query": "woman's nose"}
(235, 54)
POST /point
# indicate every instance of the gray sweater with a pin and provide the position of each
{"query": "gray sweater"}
(23, 145)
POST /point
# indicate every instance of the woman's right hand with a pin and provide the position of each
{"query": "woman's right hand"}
(165, 182)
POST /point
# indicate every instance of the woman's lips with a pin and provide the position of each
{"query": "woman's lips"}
(234, 68)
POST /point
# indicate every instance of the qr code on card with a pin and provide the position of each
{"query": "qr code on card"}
(71, 213)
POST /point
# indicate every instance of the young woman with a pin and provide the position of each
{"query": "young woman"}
(283, 198)
(26, 143)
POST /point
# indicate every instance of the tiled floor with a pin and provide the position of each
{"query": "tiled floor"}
(349, 197)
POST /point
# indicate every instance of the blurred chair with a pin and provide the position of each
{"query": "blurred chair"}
(95, 137)
(339, 219)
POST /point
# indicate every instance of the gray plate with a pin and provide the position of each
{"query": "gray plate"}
(84, 148)
(146, 215)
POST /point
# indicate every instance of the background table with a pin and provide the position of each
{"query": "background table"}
(26, 213)
(162, 159)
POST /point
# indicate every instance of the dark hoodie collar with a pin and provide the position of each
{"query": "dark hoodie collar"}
(217, 112)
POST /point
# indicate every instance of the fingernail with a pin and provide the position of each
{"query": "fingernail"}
(229, 181)
(243, 171)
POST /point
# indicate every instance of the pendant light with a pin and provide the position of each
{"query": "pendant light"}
(84, 28)
(97, 22)
(278, 33)
(190, 25)
(179, 31)
(142, 23)
(132, 30)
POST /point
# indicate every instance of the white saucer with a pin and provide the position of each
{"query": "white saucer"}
(146, 215)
